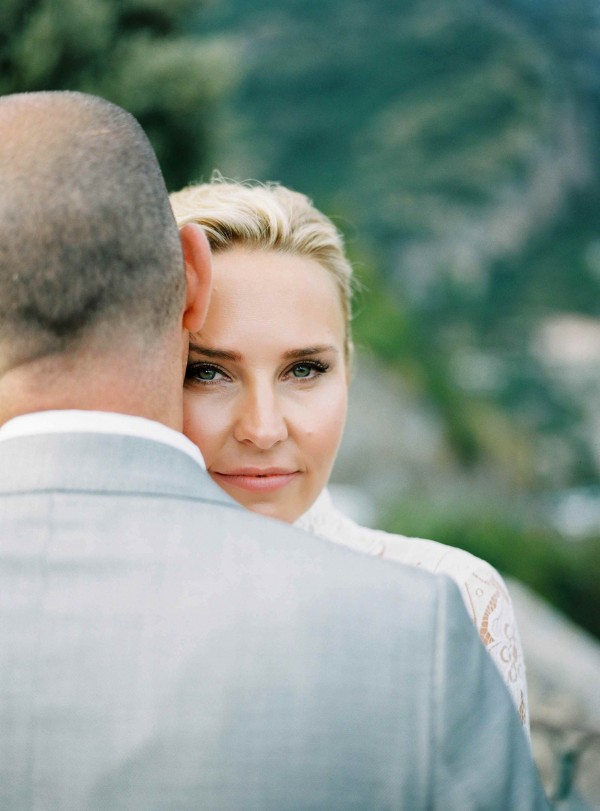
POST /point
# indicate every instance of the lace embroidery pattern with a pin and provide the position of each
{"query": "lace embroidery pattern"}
(491, 610)
(483, 589)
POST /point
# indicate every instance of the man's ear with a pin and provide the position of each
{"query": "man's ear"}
(198, 276)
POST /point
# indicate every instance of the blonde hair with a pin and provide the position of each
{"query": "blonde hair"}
(272, 217)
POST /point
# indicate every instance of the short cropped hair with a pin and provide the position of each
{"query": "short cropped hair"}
(87, 235)
(272, 217)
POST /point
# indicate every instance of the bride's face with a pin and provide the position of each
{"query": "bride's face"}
(267, 382)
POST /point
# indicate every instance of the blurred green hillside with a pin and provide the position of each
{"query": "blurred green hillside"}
(457, 144)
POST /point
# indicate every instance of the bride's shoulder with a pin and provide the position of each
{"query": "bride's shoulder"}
(433, 556)
(481, 584)
(327, 521)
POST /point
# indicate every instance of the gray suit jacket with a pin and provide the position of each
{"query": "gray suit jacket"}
(162, 649)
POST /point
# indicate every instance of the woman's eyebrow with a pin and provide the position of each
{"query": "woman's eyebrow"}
(309, 350)
(218, 354)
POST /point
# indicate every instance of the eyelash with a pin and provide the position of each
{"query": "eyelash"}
(193, 369)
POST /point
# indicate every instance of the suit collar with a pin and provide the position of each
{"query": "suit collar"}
(103, 463)
(71, 421)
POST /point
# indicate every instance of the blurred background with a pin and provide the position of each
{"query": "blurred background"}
(456, 143)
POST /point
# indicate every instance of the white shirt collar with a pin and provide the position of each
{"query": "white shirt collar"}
(98, 422)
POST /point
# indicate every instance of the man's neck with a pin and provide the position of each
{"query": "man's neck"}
(125, 386)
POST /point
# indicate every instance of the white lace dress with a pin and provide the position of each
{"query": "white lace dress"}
(483, 589)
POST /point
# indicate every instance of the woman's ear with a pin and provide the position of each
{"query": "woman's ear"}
(198, 276)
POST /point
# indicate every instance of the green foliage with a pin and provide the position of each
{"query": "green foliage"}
(379, 320)
(476, 428)
(136, 53)
(564, 573)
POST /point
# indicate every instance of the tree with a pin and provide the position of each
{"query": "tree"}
(136, 53)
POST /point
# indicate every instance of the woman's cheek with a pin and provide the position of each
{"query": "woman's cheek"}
(203, 420)
(327, 419)
(337, 423)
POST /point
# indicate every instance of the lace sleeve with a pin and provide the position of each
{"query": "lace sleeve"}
(487, 600)
(490, 606)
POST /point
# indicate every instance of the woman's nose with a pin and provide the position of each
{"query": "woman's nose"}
(261, 421)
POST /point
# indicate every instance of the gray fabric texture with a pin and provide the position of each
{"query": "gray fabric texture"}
(163, 649)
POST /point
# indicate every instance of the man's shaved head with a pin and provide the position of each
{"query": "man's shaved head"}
(87, 237)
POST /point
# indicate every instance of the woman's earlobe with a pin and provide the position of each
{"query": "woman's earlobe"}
(198, 275)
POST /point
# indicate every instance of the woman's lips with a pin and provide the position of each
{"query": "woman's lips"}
(257, 481)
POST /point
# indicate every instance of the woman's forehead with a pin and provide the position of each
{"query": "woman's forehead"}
(270, 297)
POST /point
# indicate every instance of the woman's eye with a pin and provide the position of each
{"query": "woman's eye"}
(302, 370)
(203, 373)
(308, 370)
